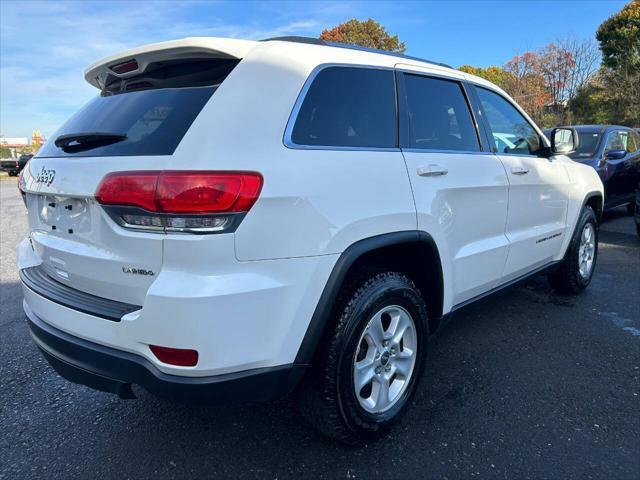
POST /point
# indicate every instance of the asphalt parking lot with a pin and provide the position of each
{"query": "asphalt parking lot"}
(528, 384)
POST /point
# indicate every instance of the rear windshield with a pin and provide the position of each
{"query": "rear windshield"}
(154, 122)
(147, 114)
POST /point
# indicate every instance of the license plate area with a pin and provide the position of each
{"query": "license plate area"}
(63, 214)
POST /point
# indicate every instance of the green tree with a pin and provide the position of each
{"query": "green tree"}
(619, 38)
(5, 152)
(366, 34)
(592, 104)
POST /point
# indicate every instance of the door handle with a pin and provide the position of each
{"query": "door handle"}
(519, 170)
(432, 170)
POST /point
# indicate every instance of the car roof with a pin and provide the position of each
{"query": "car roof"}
(318, 41)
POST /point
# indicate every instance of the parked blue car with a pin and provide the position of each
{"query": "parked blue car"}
(614, 151)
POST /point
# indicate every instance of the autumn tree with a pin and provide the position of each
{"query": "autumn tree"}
(367, 33)
(555, 64)
(586, 59)
(526, 84)
(496, 75)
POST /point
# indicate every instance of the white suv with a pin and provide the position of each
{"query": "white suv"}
(230, 219)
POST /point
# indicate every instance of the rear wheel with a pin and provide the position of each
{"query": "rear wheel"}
(576, 270)
(369, 366)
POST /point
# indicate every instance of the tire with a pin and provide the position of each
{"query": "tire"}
(13, 173)
(329, 399)
(631, 208)
(569, 278)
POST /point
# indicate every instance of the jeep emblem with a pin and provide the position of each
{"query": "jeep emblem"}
(45, 176)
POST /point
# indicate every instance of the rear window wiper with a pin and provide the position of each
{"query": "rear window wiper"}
(77, 142)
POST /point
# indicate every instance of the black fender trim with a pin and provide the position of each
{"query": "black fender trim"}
(588, 197)
(324, 308)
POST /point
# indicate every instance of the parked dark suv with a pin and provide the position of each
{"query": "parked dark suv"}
(14, 167)
(614, 151)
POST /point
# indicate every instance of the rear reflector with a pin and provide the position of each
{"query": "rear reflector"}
(125, 67)
(175, 356)
(182, 192)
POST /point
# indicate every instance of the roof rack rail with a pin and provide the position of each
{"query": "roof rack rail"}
(317, 41)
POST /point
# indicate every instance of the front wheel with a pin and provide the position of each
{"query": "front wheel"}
(576, 270)
(369, 366)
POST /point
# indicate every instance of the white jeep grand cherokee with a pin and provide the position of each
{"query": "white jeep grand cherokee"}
(229, 219)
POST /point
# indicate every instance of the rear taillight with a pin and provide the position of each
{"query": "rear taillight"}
(179, 201)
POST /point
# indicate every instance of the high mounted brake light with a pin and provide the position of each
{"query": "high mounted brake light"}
(125, 67)
(184, 201)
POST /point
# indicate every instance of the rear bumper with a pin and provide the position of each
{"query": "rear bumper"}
(110, 370)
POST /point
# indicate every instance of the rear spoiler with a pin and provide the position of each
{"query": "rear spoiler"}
(134, 61)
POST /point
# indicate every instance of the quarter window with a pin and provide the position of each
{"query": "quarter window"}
(512, 133)
(348, 107)
(437, 116)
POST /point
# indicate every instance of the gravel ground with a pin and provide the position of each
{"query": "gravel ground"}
(527, 384)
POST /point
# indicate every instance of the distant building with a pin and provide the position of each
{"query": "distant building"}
(14, 142)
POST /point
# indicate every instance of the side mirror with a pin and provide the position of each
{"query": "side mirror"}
(615, 154)
(564, 140)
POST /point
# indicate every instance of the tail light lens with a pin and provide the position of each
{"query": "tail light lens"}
(182, 201)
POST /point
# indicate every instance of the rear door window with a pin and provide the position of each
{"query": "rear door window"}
(348, 107)
(436, 115)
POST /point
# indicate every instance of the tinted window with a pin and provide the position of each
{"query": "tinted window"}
(634, 142)
(512, 133)
(617, 141)
(437, 116)
(154, 121)
(587, 145)
(348, 107)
